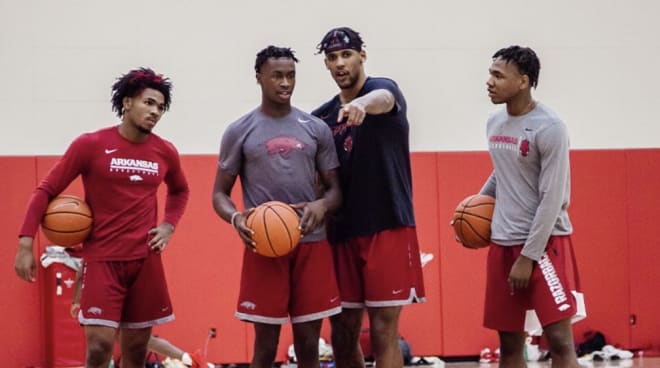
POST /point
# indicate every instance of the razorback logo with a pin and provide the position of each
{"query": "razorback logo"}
(248, 305)
(95, 310)
(339, 129)
(524, 147)
(563, 307)
(348, 144)
(283, 145)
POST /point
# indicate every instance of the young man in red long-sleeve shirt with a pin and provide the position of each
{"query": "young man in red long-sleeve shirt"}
(123, 285)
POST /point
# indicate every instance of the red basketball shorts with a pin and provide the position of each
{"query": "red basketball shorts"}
(300, 285)
(127, 294)
(380, 270)
(549, 296)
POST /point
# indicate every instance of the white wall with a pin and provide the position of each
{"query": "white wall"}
(58, 59)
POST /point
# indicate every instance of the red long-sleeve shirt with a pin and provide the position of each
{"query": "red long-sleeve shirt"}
(121, 180)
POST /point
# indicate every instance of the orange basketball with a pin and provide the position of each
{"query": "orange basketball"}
(471, 220)
(67, 221)
(275, 225)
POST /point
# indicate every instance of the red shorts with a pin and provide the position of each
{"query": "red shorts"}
(549, 294)
(380, 270)
(301, 285)
(127, 294)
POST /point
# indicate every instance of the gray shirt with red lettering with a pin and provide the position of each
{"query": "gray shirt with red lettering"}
(277, 158)
(530, 180)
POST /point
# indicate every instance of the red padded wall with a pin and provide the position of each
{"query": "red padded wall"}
(421, 324)
(642, 207)
(22, 339)
(614, 202)
(462, 271)
(65, 339)
(598, 214)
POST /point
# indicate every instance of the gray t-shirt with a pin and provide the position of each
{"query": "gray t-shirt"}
(531, 178)
(277, 158)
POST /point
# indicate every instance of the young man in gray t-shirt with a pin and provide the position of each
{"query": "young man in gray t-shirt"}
(277, 150)
(530, 261)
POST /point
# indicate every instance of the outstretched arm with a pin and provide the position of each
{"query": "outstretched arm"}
(376, 102)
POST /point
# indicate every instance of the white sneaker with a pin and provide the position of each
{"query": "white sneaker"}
(613, 353)
(486, 356)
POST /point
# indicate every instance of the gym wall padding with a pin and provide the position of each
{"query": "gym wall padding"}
(614, 211)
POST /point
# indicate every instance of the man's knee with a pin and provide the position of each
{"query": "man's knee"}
(384, 321)
(346, 326)
(559, 335)
(98, 351)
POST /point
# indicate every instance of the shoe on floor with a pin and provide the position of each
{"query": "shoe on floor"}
(486, 356)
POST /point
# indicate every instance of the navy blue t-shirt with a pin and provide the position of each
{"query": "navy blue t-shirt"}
(375, 173)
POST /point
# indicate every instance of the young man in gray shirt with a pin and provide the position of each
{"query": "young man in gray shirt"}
(530, 261)
(278, 150)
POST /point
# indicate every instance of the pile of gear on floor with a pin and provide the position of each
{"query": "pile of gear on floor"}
(593, 348)
(153, 361)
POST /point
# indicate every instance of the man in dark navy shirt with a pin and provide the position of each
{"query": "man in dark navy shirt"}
(373, 233)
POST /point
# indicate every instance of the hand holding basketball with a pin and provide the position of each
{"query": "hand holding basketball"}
(275, 228)
(471, 220)
(313, 215)
(238, 222)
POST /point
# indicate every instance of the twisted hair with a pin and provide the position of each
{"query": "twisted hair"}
(524, 58)
(272, 52)
(134, 82)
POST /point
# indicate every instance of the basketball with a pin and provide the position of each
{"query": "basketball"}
(471, 220)
(275, 225)
(67, 221)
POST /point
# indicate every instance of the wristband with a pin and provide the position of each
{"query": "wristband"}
(233, 217)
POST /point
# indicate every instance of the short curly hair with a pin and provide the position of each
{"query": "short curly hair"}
(273, 52)
(525, 59)
(134, 82)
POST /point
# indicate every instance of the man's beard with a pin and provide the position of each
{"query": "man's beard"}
(351, 82)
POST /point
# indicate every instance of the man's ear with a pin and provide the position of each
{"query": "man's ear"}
(127, 102)
(524, 81)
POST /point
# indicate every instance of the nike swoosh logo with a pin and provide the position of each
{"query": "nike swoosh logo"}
(303, 121)
(72, 203)
(398, 291)
(109, 151)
